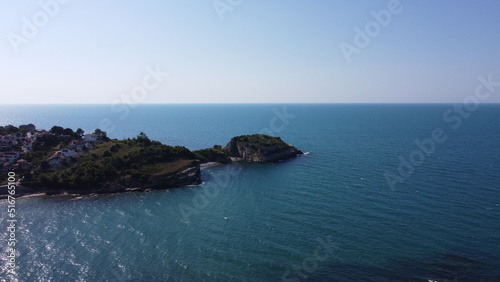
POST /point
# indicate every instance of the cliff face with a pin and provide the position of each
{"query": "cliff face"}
(188, 176)
(260, 148)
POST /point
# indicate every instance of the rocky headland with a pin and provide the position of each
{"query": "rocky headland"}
(138, 164)
(260, 148)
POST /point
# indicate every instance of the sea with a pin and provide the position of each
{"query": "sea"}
(384, 192)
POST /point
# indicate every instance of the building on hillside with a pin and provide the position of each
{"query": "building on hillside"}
(11, 157)
(79, 145)
(90, 137)
(5, 146)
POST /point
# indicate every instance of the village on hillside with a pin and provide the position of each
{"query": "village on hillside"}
(20, 146)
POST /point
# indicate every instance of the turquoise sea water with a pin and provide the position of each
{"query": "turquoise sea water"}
(329, 215)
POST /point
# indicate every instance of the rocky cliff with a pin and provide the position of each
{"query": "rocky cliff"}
(260, 148)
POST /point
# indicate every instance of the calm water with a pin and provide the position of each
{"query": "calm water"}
(327, 216)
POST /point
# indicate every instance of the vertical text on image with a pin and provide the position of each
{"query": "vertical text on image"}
(11, 221)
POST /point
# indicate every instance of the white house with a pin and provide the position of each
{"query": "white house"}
(90, 137)
(26, 135)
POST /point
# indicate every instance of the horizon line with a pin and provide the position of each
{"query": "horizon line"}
(248, 103)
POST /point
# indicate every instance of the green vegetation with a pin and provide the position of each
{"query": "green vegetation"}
(9, 129)
(115, 162)
(55, 163)
(45, 145)
(212, 155)
(259, 140)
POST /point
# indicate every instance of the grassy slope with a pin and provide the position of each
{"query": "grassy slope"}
(112, 161)
(137, 160)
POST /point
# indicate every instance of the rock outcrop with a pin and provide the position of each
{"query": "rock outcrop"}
(260, 148)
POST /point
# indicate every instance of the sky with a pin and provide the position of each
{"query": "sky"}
(242, 51)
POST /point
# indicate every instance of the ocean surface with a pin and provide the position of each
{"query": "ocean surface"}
(365, 203)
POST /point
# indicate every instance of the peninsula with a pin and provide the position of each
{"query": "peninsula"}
(63, 161)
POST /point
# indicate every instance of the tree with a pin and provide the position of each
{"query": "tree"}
(104, 136)
(44, 181)
(143, 138)
(67, 131)
(56, 130)
(80, 132)
(11, 129)
(44, 164)
(101, 135)
(29, 127)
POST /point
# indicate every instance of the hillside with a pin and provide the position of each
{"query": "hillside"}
(117, 165)
(63, 161)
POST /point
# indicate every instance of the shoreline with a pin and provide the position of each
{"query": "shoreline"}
(76, 194)
(25, 192)
(21, 191)
(209, 164)
(179, 170)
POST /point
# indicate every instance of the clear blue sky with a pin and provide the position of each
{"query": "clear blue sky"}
(260, 52)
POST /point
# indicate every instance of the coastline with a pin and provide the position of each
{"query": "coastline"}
(209, 164)
(21, 191)
(25, 192)
(74, 194)
(160, 166)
